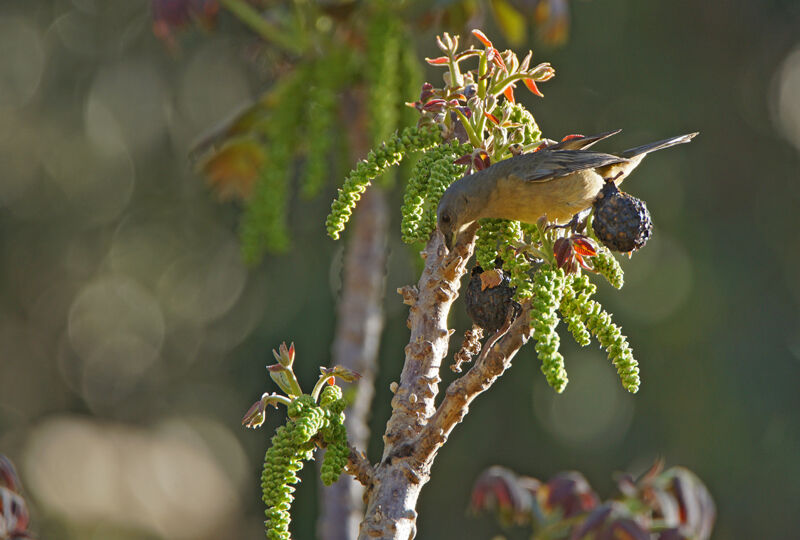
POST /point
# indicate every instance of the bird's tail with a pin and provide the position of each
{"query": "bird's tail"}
(652, 147)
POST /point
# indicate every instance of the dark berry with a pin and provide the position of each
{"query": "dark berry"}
(621, 221)
(488, 306)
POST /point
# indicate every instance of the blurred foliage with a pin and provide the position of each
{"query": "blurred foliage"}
(131, 336)
(670, 504)
(324, 49)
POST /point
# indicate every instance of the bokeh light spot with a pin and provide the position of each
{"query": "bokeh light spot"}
(22, 60)
(202, 286)
(786, 104)
(94, 472)
(117, 329)
(594, 412)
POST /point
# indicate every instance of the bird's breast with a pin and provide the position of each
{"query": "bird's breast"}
(558, 198)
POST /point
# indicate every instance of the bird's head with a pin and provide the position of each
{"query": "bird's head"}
(453, 214)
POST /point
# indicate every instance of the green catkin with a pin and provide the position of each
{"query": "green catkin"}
(291, 445)
(414, 196)
(605, 264)
(531, 232)
(498, 237)
(490, 235)
(600, 324)
(333, 434)
(548, 288)
(443, 173)
(320, 116)
(378, 160)
(429, 179)
(263, 227)
(572, 315)
(336, 454)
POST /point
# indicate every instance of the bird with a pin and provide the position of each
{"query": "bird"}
(556, 181)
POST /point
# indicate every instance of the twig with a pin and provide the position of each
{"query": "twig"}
(360, 468)
(261, 26)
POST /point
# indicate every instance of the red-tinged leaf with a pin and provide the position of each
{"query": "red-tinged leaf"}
(497, 59)
(254, 417)
(466, 54)
(583, 263)
(562, 249)
(462, 97)
(582, 245)
(437, 61)
(542, 146)
(434, 105)
(530, 84)
(463, 160)
(347, 375)
(426, 92)
(8, 475)
(232, 170)
(509, 93)
(492, 117)
(482, 37)
(478, 163)
(570, 137)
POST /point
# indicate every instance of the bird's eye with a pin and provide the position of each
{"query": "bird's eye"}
(445, 218)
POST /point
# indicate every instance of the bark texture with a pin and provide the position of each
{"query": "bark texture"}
(416, 428)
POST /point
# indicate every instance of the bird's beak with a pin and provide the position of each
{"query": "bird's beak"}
(450, 241)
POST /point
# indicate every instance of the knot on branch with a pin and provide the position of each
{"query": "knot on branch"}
(410, 294)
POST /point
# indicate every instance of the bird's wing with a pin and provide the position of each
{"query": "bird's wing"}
(549, 164)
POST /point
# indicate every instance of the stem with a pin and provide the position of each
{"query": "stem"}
(265, 29)
(318, 387)
(483, 66)
(473, 138)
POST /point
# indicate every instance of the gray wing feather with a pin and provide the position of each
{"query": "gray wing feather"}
(550, 164)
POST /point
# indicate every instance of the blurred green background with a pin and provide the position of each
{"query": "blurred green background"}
(132, 337)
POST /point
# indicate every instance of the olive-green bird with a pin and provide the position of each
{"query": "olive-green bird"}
(557, 181)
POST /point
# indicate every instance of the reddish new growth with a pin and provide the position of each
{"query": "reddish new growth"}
(571, 250)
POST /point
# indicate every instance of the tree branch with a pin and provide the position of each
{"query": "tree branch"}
(455, 405)
(399, 477)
